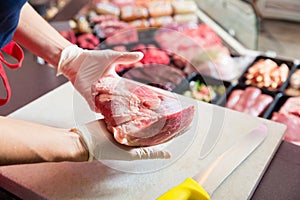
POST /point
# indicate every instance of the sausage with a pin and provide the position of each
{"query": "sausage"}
(266, 73)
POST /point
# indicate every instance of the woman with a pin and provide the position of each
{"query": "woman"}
(25, 142)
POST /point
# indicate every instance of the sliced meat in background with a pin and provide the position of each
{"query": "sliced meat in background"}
(155, 75)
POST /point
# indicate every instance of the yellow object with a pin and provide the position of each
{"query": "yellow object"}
(187, 190)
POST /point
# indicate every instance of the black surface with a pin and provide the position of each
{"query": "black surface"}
(4, 194)
(282, 179)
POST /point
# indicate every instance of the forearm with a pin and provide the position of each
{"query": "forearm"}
(38, 36)
(25, 142)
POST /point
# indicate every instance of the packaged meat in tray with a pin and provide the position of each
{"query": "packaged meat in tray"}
(156, 68)
(248, 99)
(286, 110)
(158, 75)
(144, 37)
(292, 86)
(267, 73)
(203, 88)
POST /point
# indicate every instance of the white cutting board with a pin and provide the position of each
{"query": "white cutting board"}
(138, 179)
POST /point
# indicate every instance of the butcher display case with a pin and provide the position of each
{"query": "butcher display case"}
(206, 50)
(237, 17)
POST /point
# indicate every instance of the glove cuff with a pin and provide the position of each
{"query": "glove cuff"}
(68, 54)
(85, 140)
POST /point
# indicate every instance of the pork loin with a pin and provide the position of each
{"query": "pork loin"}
(137, 115)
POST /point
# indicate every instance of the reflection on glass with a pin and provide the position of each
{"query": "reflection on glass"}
(237, 17)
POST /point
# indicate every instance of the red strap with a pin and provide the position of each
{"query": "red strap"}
(14, 50)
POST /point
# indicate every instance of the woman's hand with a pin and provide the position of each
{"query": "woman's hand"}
(102, 146)
(85, 67)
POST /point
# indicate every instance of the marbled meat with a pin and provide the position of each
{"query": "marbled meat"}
(137, 115)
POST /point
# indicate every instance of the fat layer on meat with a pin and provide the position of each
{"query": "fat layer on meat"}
(138, 115)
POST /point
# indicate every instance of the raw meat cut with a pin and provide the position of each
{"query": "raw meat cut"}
(152, 54)
(289, 114)
(138, 115)
(293, 124)
(250, 101)
(233, 99)
(260, 105)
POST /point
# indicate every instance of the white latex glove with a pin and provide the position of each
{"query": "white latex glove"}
(102, 146)
(84, 67)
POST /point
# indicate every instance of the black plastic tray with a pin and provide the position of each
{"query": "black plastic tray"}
(290, 64)
(242, 86)
(207, 80)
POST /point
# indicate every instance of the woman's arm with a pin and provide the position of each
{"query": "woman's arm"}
(38, 36)
(25, 142)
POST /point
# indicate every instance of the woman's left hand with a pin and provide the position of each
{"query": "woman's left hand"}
(85, 67)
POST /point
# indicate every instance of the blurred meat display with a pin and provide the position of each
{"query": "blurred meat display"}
(201, 48)
(49, 8)
(214, 61)
(178, 47)
(181, 40)
(123, 36)
(88, 41)
(108, 28)
(187, 39)
(159, 8)
(289, 114)
(122, 19)
(184, 7)
(265, 73)
(155, 75)
(69, 35)
(152, 69)
(152, 55)
(250, 101)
